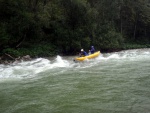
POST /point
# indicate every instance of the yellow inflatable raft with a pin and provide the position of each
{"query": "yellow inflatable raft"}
(96, 54)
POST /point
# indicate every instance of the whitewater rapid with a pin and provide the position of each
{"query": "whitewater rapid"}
(28, 69)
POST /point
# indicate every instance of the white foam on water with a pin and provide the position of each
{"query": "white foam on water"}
(31, 68)
(126, 54)
(59, 62)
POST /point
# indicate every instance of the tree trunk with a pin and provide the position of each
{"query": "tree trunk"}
(135, 27)
(120, 10)
(29, 4)
(134, 32)
(44, 3)
(18, 43)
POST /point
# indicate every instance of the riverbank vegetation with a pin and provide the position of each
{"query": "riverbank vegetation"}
(49, 27)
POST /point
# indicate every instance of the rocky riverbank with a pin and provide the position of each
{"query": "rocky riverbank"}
(8, 59)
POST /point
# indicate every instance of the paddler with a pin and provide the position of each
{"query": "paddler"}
(83, 53)
(92, 50)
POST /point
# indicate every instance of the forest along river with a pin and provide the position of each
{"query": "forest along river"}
(116, 82)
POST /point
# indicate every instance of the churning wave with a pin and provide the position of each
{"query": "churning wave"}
(31, 68)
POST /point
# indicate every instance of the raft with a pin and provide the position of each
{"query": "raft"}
(91, 56)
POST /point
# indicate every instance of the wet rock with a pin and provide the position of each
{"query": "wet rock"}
(8, 59)
(26, 58)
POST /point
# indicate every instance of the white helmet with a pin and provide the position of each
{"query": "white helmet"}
(81, 49)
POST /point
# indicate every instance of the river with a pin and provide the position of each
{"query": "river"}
(117, 82)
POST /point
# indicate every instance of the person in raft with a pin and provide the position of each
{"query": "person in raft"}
(83, 53)
(92, 50)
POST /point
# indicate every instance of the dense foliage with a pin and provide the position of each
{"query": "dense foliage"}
(49, 27)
